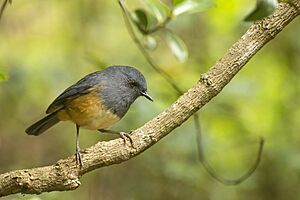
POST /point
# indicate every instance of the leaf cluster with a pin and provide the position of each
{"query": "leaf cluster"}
(158, 14)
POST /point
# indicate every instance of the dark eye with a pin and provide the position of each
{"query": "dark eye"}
(132, 83)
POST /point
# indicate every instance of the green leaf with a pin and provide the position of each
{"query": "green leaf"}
(143, 20)
(159, 9)
(176, 2)
(263, 9)
(177, 46)
(150, 42)
(139, 17)
(192, 6)
(3, 76)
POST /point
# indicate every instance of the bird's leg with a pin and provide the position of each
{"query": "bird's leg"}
(123, 135)
(77, 154)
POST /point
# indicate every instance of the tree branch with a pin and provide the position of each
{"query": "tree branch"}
(65, 175)
(201, 155)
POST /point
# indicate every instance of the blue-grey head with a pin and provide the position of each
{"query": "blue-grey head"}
(120, 86)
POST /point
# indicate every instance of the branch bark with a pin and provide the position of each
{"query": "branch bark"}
(65, 175)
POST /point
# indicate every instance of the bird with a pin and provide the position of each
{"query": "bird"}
(95, 102)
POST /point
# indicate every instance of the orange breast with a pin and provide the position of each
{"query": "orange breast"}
(88, 111)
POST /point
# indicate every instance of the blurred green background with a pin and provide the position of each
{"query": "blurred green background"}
(45, 46)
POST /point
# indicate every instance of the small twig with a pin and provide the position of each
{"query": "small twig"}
(210, 169)
(144, 52)
(5, 2)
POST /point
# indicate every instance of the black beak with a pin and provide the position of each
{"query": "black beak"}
(145, 94)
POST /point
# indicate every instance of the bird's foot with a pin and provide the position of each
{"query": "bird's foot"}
(125, 135)
(122, 134)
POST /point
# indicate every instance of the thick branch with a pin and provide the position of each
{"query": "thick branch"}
(64, 175)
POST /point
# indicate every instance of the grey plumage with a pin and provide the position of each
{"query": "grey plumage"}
(121, 88)
(116, 86)
(95, 102)
(42, 125)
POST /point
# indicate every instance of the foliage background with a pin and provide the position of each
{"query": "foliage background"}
(47, 45)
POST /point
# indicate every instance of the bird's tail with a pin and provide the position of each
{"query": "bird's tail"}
(42, 125)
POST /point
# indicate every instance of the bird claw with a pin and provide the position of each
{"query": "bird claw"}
(122, 134)
(125, 135)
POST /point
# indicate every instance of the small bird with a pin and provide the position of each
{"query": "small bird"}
(95, 102)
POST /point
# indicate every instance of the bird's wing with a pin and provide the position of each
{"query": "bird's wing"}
(84, 86)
